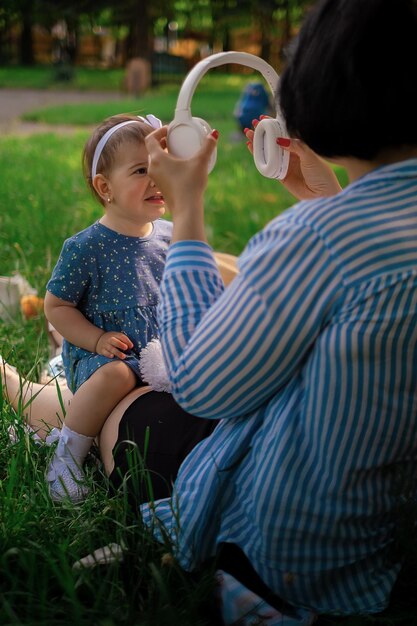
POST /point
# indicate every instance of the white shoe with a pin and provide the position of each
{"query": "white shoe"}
(65, 475)
(55, 368)
(112, 553)
(66, 482)
(16, 429)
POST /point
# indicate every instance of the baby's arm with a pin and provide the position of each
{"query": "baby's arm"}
(76, 329)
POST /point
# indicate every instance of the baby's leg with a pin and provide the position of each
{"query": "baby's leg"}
(39, 404)
(97, 397)
(88, 411)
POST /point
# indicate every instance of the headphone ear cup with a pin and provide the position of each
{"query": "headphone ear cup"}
(185, 139)
(207, 130)
(270, 159)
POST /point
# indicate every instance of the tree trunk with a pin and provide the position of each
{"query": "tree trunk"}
(5, 46)
(26, 38)
(266, 22)
(139, 39)
(72, 38)
(286, 30)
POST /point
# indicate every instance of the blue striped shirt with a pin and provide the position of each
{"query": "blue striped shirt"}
(310, 360)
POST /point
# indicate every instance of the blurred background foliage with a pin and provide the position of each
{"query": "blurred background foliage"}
(109, 33)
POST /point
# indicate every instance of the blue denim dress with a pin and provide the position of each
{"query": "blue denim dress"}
(114, 281)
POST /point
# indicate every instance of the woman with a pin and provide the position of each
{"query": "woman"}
(309, 359)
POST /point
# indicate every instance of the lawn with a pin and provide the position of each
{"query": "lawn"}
(43, 200)
(47, 77)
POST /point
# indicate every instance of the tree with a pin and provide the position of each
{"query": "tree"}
(70, 14)
(227, 14)
(26, 37)
(19, 13)
(215, 20)
(46, 13)
(276, 20)
(140, 16)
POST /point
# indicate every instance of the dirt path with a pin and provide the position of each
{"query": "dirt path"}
(15, 102)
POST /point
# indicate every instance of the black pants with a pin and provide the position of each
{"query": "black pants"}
(155, 436)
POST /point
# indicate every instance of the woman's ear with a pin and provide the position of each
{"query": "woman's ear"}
(102, 187)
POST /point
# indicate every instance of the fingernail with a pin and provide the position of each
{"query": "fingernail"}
(245, 130)
(283, 141)
(255, 122)
(262, 117)
(215, 134)
(248, 143)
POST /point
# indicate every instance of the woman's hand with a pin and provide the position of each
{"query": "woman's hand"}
(112, 344)
(309, 176)
(182, 183)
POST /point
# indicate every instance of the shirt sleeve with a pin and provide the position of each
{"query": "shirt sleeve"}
(228, 351)
(71, 275)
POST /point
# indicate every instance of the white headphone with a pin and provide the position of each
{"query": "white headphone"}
(186, 133)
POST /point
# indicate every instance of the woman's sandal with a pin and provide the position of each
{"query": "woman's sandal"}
(112, 553)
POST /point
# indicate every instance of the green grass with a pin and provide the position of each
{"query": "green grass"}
(44, 200)
(39, 542)
(95, 79)
(45, 77)
(217, 94)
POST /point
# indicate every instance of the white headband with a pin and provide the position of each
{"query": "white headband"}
(149, 119)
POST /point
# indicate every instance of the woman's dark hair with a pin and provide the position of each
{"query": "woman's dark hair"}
(350, 85)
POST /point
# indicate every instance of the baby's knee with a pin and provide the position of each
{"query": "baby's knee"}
(116, 375)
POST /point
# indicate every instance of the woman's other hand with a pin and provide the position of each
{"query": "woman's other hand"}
(309, 176)
(182, 183)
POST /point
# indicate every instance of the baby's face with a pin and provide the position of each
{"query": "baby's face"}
(133, 193)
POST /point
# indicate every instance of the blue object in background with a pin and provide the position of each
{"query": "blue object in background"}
(253, 102)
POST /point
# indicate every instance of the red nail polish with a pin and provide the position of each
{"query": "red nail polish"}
(245, 130)
(255, 122)
(283, 141)
(215, 134)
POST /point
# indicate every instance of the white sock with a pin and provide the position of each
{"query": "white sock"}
(73, 447)
(65, 474)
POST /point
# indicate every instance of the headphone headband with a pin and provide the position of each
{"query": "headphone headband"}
(216, 60)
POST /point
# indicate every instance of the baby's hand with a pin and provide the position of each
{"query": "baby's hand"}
(112, 343)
